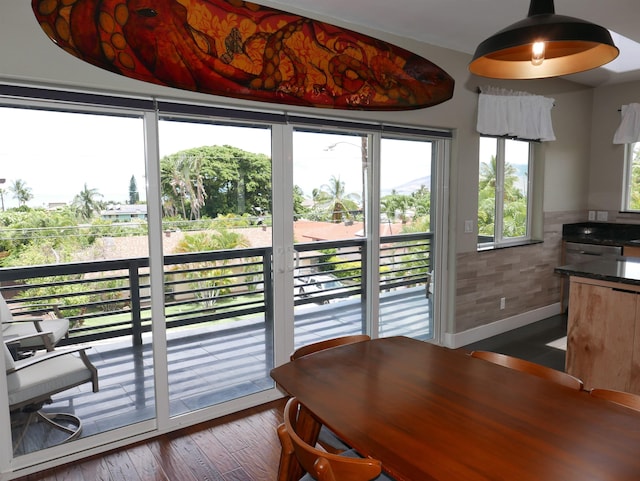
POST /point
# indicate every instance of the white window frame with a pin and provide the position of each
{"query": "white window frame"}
(629, 151)
(498, 239)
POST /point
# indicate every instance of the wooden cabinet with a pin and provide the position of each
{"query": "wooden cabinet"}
(631, 251)
(603, 335)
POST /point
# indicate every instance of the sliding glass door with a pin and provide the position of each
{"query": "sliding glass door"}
(407, 234)
(363, 234)
(216, 204)
(329, 199)
(74, 246)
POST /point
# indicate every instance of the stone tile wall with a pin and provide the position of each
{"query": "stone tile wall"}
(523, 275)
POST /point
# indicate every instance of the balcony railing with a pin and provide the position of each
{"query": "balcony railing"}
(108, 299)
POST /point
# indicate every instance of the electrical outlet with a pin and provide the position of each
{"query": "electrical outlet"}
(592, 215)
(503, 302)
(602, 215)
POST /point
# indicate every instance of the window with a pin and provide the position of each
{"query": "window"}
(631, 190)
(504, 207)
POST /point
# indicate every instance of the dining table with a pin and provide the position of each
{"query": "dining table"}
(428, 412)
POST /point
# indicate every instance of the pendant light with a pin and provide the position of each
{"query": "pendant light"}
(543, 45)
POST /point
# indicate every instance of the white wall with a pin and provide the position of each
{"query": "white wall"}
(607, 159)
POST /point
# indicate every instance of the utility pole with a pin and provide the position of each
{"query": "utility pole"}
(2, 181)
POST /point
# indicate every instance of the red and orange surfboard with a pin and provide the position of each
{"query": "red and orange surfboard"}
(243, 50)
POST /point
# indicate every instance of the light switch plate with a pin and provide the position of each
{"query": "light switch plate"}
(468, 226)
(602, 215)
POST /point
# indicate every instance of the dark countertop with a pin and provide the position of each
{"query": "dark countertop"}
(603, 233)
(625, 270)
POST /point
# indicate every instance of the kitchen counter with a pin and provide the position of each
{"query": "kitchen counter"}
(603, 233)
(625, 270)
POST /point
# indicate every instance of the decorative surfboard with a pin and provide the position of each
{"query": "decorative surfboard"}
(243, 50)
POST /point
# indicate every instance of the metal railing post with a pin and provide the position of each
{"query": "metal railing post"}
(134, 292)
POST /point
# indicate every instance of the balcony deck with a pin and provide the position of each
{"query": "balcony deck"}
(216, 364)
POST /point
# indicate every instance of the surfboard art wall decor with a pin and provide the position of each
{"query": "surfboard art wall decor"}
(243, 50)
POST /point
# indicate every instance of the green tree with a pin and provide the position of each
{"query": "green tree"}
(134, 196)
(213, 180)
(299, 209)
(21, 192)
(514, 201)
(332, 198)
(210, 279)
(634, 188)
(86, 202)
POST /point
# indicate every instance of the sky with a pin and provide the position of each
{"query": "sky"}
(56, 153)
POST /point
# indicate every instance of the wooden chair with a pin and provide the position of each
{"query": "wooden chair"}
(327, 344)
(319, 465)
(327, 439)
(529, 367)
(619, 397)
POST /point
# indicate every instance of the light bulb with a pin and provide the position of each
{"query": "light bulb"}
(537, 53)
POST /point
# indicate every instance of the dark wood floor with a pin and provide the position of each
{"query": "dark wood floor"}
(244, 446)
(238, 447)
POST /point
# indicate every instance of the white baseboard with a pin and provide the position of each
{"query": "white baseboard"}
(485, 331)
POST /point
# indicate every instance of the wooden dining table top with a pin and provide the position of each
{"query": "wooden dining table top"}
(432, 413)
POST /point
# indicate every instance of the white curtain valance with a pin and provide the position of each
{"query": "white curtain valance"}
(629, 129)
(516, 114)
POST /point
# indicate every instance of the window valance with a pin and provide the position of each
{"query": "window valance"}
(629, 128)
(504, 112)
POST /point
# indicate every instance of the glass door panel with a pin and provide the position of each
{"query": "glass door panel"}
(329, 174)
(74, 245)
(216, 201)
(406, 238)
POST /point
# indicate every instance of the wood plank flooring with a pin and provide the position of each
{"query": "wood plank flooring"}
(239, 447)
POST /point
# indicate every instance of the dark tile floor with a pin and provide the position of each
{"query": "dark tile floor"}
(530, 342)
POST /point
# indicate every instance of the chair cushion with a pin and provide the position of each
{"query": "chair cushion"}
(352, 453)
(46, 378)
(57, 329)
(328, 438)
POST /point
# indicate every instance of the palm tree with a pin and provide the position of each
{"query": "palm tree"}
(332, 197)
(21, 192)
(86, 202)
(209, 280)
(183, 184)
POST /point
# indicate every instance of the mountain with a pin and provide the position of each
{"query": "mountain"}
(409, 187)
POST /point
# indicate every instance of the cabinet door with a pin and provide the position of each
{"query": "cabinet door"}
(600, 335)
(634, 382)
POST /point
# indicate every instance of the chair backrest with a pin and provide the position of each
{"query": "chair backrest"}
(321, 465)
(321, 345)
(529, 367)
(619, 397)
(5, 312)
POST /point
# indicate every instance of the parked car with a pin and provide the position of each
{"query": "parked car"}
(316, 285)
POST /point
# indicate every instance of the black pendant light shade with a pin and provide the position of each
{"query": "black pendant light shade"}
(568, 45)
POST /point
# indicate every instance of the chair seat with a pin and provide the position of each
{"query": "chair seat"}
(37, 382)
(327, 439)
